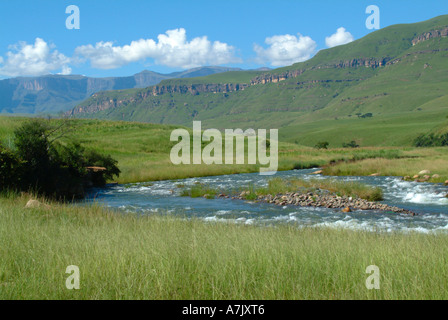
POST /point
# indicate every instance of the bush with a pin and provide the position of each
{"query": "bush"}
(322, 145)
(431, 140)
(351, 144)
(42, 164)
(10, 166)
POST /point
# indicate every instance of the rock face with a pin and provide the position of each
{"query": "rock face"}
(102, 101)
(440, 33)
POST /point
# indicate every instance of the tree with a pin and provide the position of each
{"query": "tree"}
(49, 166)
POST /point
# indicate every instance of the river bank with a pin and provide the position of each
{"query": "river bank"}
(134, 256)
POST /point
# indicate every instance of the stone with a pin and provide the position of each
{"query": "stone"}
(435, 176)
(32, 204)
(415, 177)
(424, 172)
(317, 172)
(426, 177)
(347, 209)
(446, 182)
(374, 174)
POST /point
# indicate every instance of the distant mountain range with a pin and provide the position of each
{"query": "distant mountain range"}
(55, 93)
(389, 85)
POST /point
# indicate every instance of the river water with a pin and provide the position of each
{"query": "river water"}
(163, 198)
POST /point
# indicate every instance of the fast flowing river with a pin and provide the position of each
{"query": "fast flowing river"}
(163, 197)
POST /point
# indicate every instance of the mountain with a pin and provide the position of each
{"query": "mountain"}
(385, 88)
(54, 93)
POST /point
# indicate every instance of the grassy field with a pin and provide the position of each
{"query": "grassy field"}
(143, 153)
(162, 257)
(155, 257)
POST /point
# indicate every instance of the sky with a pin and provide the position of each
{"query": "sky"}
(121, 38)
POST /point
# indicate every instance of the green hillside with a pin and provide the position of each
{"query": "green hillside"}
(384, 89)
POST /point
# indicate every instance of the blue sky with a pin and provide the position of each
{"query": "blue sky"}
(119, 38)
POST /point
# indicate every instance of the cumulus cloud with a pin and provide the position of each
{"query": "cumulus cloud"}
(35, 59)
(172, 49)
(286, 49)
(341, 37)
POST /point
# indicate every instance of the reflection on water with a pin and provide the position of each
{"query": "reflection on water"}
(163, 197)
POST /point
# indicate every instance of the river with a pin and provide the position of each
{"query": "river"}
(163, 198)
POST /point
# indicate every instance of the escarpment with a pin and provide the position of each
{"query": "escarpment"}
(438, 33)
(102, 101)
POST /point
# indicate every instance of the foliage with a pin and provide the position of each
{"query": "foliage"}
(431, 140)
(43, 164)
(9, 168)
(322, 145)
(351, 144)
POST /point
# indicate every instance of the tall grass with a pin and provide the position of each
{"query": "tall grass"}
(125, 256)
(200, 190)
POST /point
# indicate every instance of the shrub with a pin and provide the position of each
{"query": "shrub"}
(44, 165)
(322, 145)
(431, 140)
(351, 144)
(10, 166)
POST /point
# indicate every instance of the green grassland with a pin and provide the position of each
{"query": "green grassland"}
(143, 153)
(126, 256)
(159, 257)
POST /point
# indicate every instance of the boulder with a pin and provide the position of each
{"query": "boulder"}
(317, 172)
(435, 176)
(415, 177)
(446, 182)
(374, 174)
(424, 172)
(347, 209)
(32, 204)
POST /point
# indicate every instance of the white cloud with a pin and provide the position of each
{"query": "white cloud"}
(33, 60)
(286, 49)
(172, 49)
(341, 37)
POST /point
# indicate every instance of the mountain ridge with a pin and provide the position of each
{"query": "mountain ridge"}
(53, 93)
(393, 71)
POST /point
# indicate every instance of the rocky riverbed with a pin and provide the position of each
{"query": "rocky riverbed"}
(321, 199)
